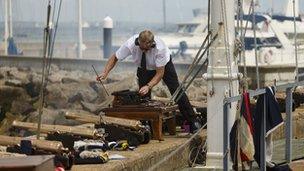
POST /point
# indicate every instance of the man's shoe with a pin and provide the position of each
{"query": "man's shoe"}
(195, 126)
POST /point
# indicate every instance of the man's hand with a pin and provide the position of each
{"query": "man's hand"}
(102, 76)
(144, 90)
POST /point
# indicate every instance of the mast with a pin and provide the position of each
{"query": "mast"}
(292, 8)
(10, 18)
(164, 14)
(6, 30)
(222, 78)
(79, 47)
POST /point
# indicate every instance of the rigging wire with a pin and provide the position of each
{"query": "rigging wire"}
(195, 62)
(243, 34)
(48, 47)
(54, 36)
(255, 45)
(199, 70)
(46, 42)
(242, 39)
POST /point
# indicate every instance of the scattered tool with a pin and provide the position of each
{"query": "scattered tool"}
(100, 80)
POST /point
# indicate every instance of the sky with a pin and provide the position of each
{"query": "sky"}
(120, 10)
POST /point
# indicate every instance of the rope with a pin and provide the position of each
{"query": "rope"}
(46, 42)
(246, 26)
(243, 33)
(48, 48)
(154, 167)
(255, 46)
(202, 146)
(295, 41)
(195, 62)
(242, 54)
(198, 71)
(53, 38)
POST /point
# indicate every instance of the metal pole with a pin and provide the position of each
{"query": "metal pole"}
(225, 138)
(79, 49)
(262, 139)
(288, 127)
(10, 18)
(5, 26)
(107, 36)
(164, 14)
(255, 45)
(219, 80)
(295, 40)
(272, 5)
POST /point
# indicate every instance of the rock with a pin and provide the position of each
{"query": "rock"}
(48, 116)
(126, 83)
(6, 123)
(94, 86)
(24, 69)
(100, 92)
(61, 120)
(62, 76)
(161, 91)
(93, 108)
(56, 77)
(54, 68)
(298, 95)
(110, 80)
(21, 107)
(34, 77)
(75, 98)
(13, 82)
(14, 73)
(67, 80)
(197, 93)
(32, 89)
(80, 76)
(1, 76)
(55, 97)
(8, 94)
(88, 95)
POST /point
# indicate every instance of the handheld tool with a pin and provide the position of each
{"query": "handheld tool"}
(100, 80)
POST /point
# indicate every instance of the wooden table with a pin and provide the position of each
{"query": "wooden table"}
(154, 114)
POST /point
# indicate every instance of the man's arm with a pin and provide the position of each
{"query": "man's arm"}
(155, 80)
(109, 66)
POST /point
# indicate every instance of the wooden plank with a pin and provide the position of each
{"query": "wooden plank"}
(141, 108)
(29, 163)
(52, 146)
(87, 118)
(85, 132)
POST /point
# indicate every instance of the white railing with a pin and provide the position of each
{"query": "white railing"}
(288, 129)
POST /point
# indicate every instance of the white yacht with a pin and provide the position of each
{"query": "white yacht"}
(274, 34)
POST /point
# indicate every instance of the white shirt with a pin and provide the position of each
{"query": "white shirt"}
(155, 57)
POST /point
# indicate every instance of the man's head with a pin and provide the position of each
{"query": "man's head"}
(146, 40)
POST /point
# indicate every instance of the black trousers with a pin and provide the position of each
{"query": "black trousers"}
(171, 80)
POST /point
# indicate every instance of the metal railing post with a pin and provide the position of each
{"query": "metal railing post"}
(263, 139)
(288, 125)
(225, 134)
